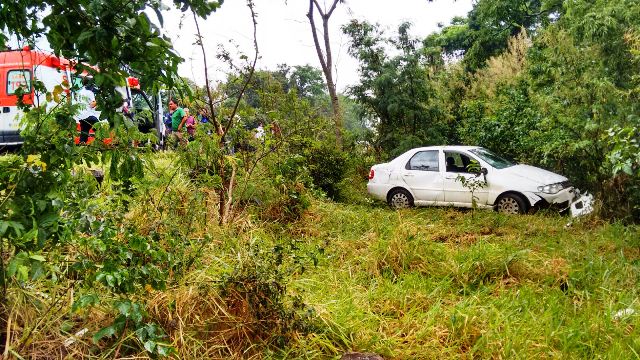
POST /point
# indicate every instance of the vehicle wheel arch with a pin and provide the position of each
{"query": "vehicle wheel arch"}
(400, 189)
(525, 198)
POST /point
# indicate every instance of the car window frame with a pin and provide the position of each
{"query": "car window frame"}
(472, 158)
(407, 165)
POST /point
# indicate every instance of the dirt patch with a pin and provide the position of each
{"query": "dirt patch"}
(631, 254)
(466, 238)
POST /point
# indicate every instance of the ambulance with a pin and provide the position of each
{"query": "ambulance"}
(21, 68)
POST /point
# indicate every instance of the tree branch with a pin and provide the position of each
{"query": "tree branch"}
(252, 69)
(206, 77)
(314, 32)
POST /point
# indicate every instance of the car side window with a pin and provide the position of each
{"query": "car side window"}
(457, 162)
(424, 161)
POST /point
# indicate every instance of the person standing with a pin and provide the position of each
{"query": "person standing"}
(204, 117)
(190, 124)
(178, 118)
(87, 116)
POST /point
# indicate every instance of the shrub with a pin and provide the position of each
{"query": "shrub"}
(256, 290)
(327, 167)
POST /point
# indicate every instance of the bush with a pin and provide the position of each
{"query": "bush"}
(256, 291)
(290, 179)
(327, 167)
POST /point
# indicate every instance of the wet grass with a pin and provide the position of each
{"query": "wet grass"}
(441, 283)
(428, 283)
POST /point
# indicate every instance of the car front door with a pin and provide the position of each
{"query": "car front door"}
(454, 192)
(422, 174)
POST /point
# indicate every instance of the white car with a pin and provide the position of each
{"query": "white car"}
(430, 176)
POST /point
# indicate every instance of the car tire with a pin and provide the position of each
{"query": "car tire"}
(511, 204)
(400, 199)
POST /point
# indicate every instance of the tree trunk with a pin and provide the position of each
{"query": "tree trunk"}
(225, 193)
(326, 61)
(337, 114)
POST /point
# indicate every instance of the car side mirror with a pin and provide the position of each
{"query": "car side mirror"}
(484, 171)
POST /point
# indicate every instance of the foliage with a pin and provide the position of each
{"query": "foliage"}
(291, 179)
(489, 26)
(118, 37)
(259, 283)
(395, 91)
(327, 166)
(45, 208)
(556, 88)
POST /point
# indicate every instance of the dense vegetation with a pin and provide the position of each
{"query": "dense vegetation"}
(549, 83)
(238, 246)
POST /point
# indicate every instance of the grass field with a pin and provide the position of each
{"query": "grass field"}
(424, 283)
(439, 283)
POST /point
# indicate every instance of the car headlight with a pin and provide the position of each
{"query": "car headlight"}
(551, 189)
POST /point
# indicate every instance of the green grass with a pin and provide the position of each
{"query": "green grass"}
(425, 283)
(439, 283)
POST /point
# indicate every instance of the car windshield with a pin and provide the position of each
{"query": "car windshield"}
(492, 159)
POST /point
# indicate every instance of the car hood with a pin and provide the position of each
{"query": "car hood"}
(534, 174)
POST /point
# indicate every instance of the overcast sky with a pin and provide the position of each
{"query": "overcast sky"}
(284, 34)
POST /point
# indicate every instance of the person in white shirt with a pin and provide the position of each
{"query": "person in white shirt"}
(88, 115)
(259, 131)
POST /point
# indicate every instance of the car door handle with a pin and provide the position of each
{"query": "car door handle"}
(451, 177)
(409, 175)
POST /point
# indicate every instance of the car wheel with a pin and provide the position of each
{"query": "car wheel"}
(511, 204)
(400, 199)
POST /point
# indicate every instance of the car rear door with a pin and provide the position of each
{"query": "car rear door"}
(422, 175)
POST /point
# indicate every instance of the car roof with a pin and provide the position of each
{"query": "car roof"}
(403, 156)
(447, 147)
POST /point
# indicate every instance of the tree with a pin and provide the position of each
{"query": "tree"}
(326, 59)
(223, 166)
(489, 26)
(566, 100)
(396, 91)
(307, 81)
(116, 37)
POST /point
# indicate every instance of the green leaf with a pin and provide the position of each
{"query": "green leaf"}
(84, 36)
(37, 270)
(23, 273)
(12, 268)
(48, 219)
(37, 258)
(107, 332)
(150, 346)
(124, 307)
(16, 226)
(84, 301)
(163, 350)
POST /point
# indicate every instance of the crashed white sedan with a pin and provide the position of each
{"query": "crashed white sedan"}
(430, 176)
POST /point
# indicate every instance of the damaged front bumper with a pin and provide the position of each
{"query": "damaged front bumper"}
(569, 200)
(581, 205)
